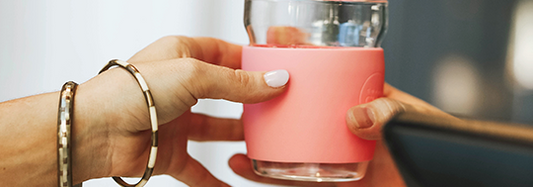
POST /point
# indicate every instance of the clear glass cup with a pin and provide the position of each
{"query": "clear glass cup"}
(314, 24)
(352, 23)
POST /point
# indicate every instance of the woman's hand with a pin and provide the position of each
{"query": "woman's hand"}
(179, 71)
(366, 121)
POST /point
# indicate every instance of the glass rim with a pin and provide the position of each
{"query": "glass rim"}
(348, 1)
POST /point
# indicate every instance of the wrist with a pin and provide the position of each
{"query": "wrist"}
(90, 141)
(108, 105)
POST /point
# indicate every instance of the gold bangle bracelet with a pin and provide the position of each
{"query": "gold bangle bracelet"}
(64, 125)
(153, 121)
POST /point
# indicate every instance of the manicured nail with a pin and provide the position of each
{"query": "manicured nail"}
(276, 78)
(364, 117)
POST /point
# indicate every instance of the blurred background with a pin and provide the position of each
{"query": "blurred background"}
(472, 58)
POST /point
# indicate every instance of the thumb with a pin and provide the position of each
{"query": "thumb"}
(218, 82)
(366, 120)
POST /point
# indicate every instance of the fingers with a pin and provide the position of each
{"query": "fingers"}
(393, 93)
(206, 49)
(194, 174)
(206, 128)
(217, 82)
(366, 120)
(241, 165)
(284, 35)
(219, 52)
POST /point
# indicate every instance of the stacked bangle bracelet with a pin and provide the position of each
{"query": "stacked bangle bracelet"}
(64, 126)
(65, 118)
(153, 120)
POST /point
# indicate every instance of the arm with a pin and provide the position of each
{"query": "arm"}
(111, 129)
(29, 138)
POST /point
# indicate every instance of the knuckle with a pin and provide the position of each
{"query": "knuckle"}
(189, 68)
(388, 107)
(191, 65)
(241, 77)
(392, 104)
(182, 45)
(193, 75)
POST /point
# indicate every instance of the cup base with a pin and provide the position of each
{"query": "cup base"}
(315, 172)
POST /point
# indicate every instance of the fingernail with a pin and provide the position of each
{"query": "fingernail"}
(364, 117)
(276, 78)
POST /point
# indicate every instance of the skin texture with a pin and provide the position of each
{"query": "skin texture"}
(381, 171)
(180, 77)
(111, 129)
(364, 120)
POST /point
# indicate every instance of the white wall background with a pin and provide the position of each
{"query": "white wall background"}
(48, 42)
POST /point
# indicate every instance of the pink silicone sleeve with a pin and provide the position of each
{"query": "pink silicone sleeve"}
(307, 122)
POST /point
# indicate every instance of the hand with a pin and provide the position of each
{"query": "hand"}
(365, 121)
(178, 70)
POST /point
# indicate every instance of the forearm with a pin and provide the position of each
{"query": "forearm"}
(28, 155)
(28, 131)
(29, 136)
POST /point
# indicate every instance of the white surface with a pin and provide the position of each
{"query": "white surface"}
(46, 43)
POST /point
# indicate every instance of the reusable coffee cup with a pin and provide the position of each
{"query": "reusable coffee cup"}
(331, 51)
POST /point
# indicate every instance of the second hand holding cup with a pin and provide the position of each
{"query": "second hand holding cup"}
(331, 51)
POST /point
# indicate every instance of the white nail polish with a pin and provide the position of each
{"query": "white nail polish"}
(276, 78)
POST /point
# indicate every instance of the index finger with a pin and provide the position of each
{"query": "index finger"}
(206, 49)
(219, 52)
(419, 104)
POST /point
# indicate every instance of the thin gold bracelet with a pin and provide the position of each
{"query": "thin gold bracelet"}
(153, 121)
(64, 125)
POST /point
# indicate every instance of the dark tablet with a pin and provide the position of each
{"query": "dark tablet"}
(432, 151)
